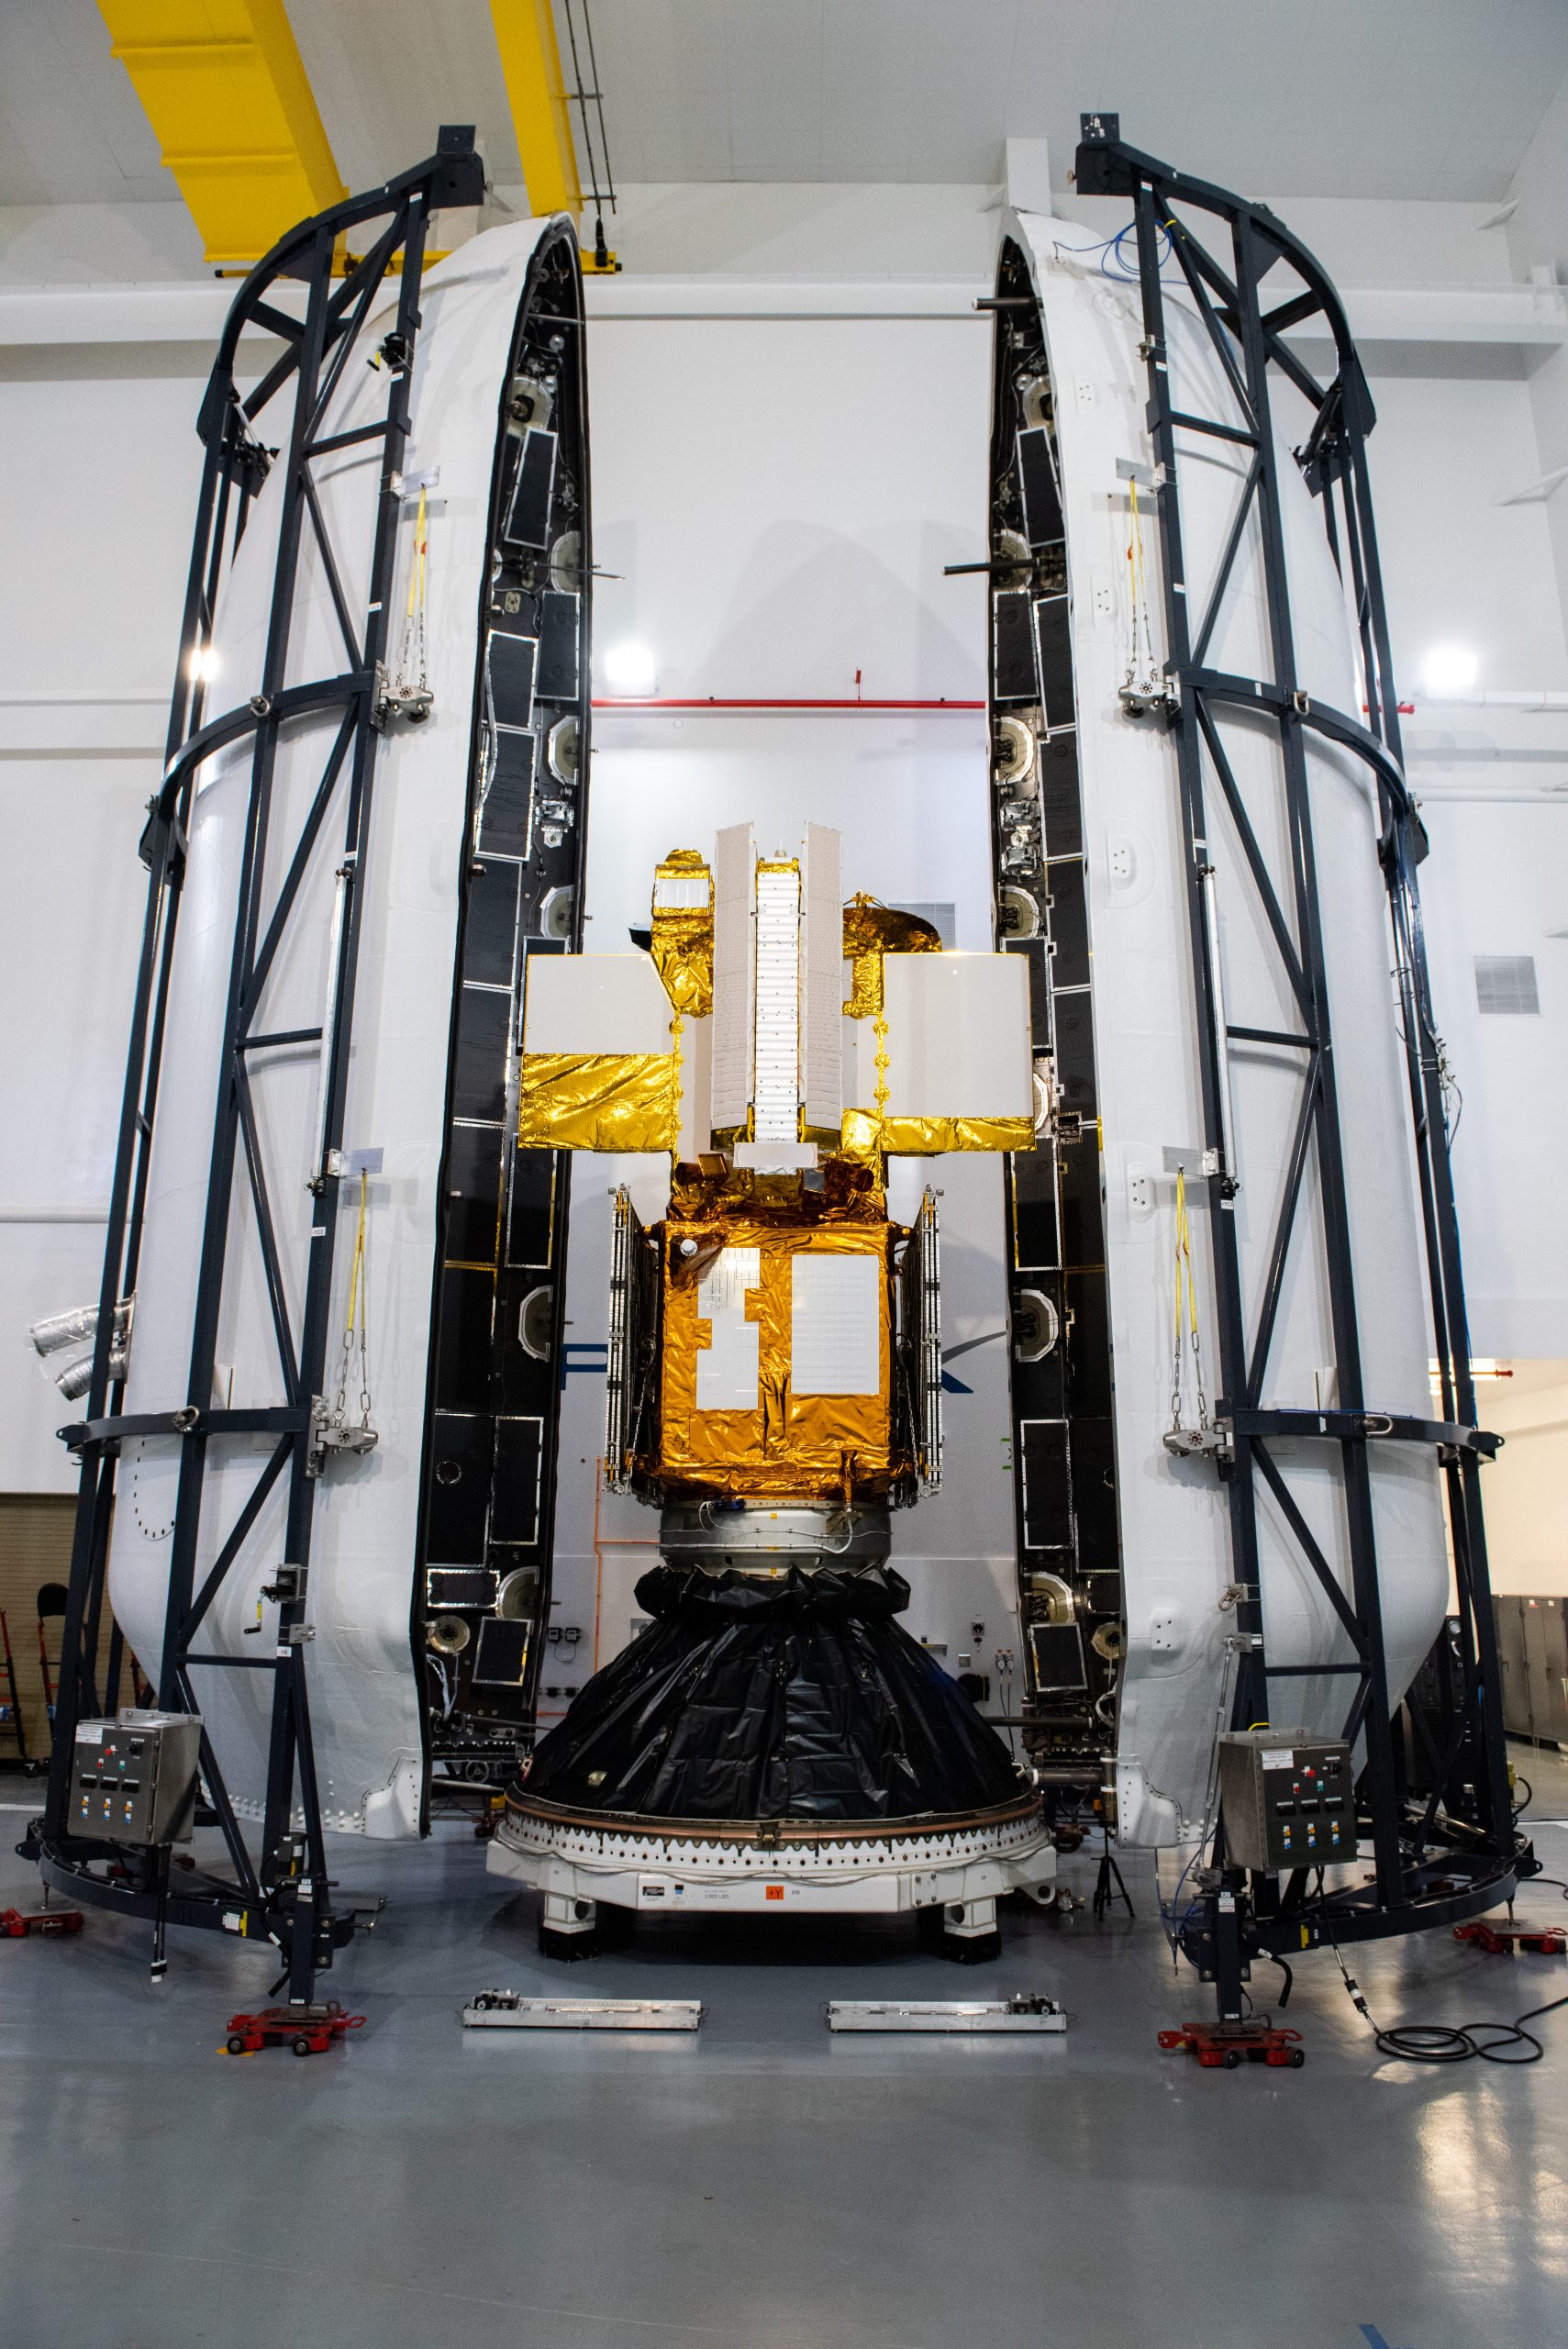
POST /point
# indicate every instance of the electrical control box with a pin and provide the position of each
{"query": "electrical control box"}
(1286, 1798)
(134, 1780)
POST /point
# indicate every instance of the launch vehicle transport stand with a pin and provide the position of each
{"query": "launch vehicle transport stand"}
(284, 1894)
(1432, 1797)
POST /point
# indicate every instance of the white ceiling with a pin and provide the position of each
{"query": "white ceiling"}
(1281, 97)
(1287, 97)
(72, 129)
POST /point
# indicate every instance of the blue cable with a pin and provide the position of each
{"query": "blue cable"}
(1125, 272)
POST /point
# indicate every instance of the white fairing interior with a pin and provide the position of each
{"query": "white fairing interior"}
(361, 1671)
(1176, 1553)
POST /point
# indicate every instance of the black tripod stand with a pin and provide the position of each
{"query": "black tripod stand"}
(1108, 1885)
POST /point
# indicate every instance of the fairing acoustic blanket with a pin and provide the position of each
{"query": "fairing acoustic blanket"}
(799, 1697)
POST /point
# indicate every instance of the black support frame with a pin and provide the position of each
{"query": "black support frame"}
(1426, 1868)
(284, 1894)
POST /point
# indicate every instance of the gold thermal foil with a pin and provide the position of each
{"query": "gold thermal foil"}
(866, 1136)
(683, 938)
(860, 1137)
(599, 1101)
(922, 1137)
(809, 1447)
(871, 931)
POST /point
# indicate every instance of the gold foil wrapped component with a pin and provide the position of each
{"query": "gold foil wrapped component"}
(683, 934)
(794, 1447)
(599, 1101)
(871, 931)
(923, 1137)
(866, 1136)
(711, 1193)
(860, 1137)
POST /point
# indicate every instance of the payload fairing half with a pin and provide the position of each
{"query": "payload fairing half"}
(429, 1544)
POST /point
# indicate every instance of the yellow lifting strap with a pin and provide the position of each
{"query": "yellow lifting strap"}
(1185, 1260)
(1138, 590)
(1186, 1332)
(357, 1272)
(417, 568)
(356, 1335)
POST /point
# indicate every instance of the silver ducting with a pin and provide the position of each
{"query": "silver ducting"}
(79, 1326)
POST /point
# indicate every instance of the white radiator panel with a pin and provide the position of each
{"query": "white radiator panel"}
(835, 1339)
(727, 1366)
(958, 1036)
(594, 1003)
(734, 882)
(776, 1053)
(822, 978)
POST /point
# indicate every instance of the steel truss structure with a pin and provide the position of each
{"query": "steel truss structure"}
(284, 1893)
(1434, 1793)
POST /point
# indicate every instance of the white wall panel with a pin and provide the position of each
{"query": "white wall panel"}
(1526, 1532)
(99, 481)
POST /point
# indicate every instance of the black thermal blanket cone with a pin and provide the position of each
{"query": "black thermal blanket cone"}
(794, 1699)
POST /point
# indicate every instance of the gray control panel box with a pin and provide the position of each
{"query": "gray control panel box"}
(1287, 1798)
(134, 1780)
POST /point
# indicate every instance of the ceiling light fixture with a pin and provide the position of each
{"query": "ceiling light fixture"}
(1450, 669)
(631, 669)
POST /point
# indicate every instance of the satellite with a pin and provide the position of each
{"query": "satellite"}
(775, 1739)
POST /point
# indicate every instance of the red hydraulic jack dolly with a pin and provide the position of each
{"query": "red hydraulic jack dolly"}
(1224, 2046)
(307, 2030)
(16, 1922)
(1502, 1940)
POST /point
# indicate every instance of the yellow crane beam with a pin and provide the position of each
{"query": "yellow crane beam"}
(226, 91)
(542, 116)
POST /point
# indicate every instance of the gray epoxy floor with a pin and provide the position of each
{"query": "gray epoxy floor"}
(765, 2184)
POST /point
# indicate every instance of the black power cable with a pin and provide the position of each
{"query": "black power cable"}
(1441, 2043)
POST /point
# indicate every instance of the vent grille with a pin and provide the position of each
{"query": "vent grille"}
(1505, 983)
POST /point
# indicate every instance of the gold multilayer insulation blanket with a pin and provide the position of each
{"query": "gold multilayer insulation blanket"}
(682, 936)
(793, 1446)
(600, 1100)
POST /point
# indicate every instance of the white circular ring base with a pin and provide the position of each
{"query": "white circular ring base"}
(632, 1866)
